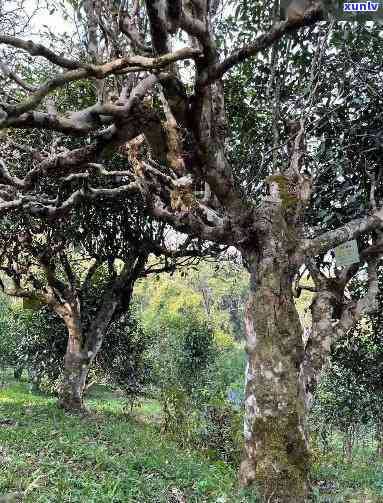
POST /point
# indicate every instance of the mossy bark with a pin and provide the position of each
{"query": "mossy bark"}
(276, 454)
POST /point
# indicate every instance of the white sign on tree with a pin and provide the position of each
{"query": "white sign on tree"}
(347, 253)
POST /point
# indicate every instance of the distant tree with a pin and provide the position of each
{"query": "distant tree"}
(84, 274)
(217, 289)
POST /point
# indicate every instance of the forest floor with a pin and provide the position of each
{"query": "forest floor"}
(111, 456)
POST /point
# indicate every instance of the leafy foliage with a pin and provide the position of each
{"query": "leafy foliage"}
(198, 366)
(123, 358)
(41, 344)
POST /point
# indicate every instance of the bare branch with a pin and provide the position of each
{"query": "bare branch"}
(195, 27)
(157, 14)
(5, 207)
(18, 292)
(19, 81)
(265, 40)
(35, 207)
(187, 222)
(39, 50)
(128, 26)
(333, 238)
(98, 72)
(6, 178)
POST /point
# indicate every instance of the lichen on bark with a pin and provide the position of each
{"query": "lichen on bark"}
(276, 450)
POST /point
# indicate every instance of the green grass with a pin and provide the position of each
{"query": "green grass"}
(112, 456)
(358, 481)
(47, 456)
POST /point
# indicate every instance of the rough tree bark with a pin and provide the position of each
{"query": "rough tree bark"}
(76, 366)
(282, 374)
(84, 343)
(75, 362)
(276, 450)
(82, 348)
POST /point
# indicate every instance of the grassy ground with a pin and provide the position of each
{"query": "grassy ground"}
(46, 456)
(359, 481)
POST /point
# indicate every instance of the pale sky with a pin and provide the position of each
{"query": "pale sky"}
(55, 21)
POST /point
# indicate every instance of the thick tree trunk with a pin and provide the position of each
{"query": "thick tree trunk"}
(76, 366)
(276, 453)
(81, 350)
(83, 347)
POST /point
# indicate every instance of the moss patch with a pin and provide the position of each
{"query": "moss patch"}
(286, 188)
(284, 460)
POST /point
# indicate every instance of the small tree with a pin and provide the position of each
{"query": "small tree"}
(82, 274)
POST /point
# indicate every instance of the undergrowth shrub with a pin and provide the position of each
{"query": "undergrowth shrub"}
(193, 388)
(124, 360)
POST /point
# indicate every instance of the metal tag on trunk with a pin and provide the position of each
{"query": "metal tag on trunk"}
(347, 254)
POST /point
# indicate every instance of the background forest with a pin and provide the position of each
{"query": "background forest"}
(175, 365)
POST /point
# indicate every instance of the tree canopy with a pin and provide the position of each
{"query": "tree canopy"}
(230, 122)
